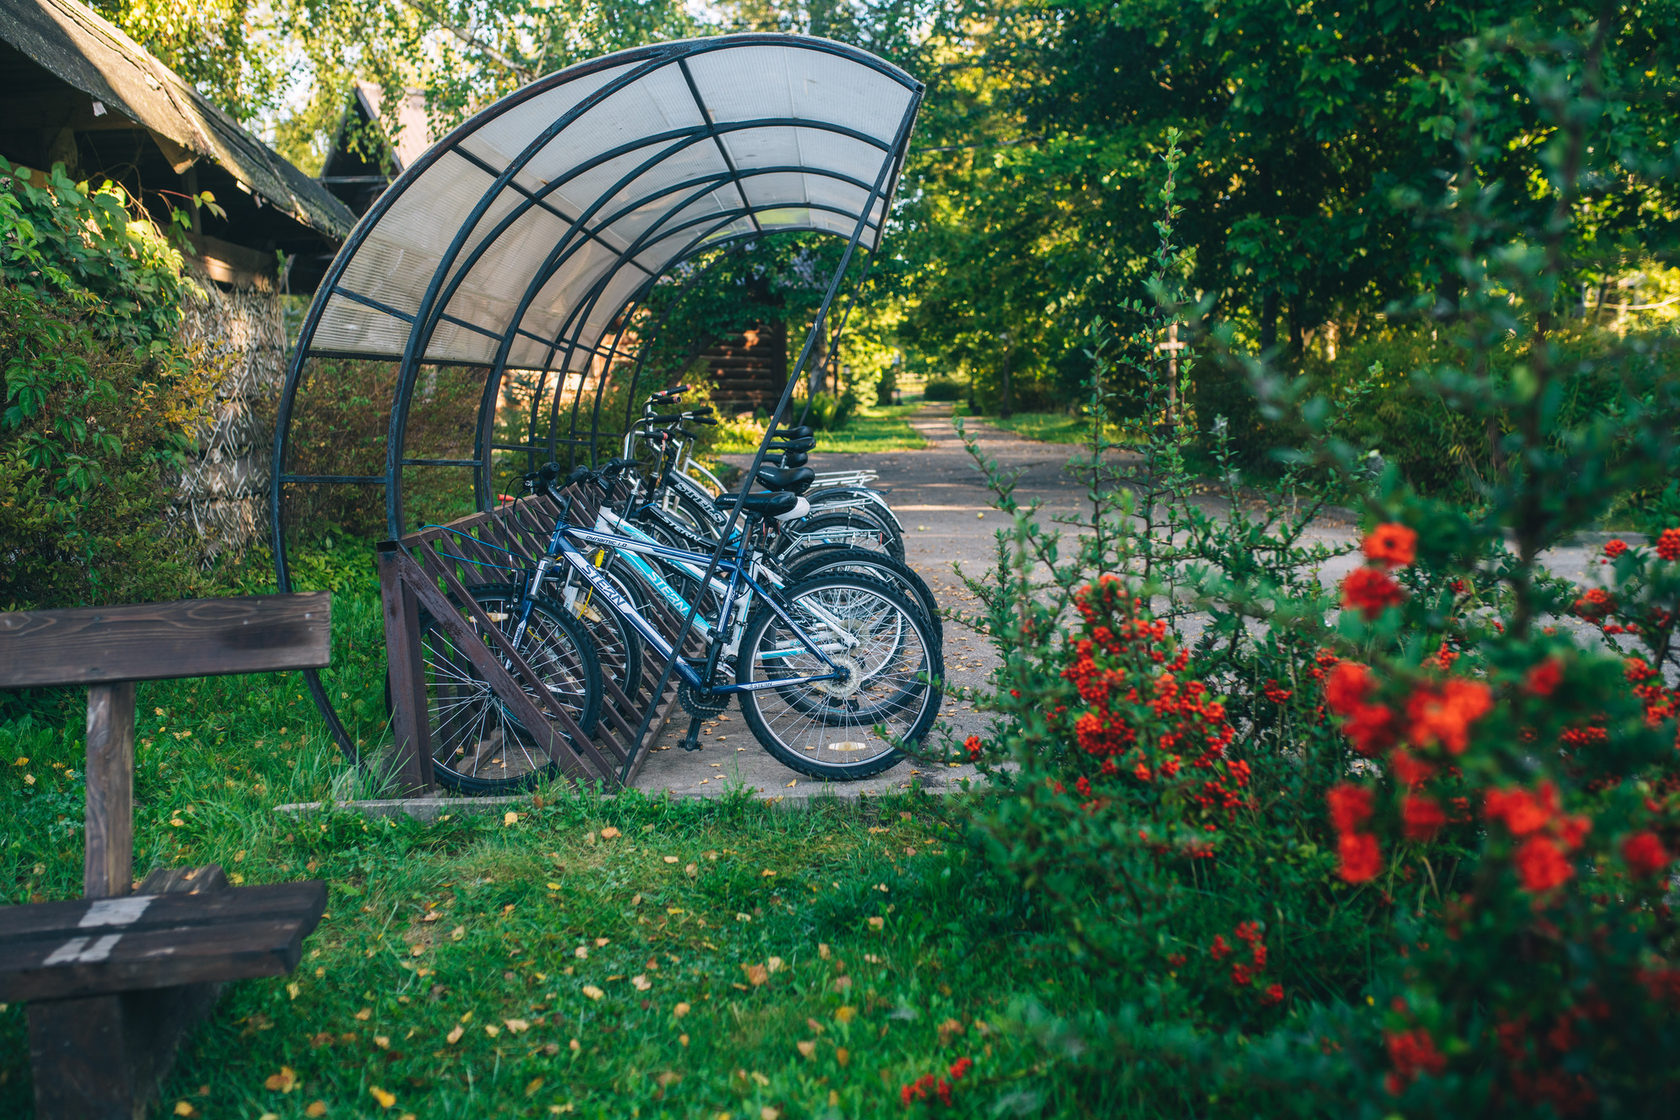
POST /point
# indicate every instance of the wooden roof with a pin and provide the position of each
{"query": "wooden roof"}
(85, 51)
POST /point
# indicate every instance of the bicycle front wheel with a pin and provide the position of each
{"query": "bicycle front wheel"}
(887, 693)
(478, 745)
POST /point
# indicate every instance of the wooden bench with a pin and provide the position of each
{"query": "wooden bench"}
(113, 980)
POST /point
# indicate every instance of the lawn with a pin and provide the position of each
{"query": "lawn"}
(583, 956)
(873, 428)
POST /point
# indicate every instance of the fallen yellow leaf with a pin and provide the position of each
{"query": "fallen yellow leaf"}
(768, 1113)
(609, 832)
(386, 1100)
(517, 1026)
(843, 1056)
(808, 1049)
(383, 1041)
(457, 933)
(823, 950)
(682, 1040)
(756, 974)
(316, 1108)
(365, 1014)
(532, 1086)
(877, 923)
(510, 818)
(774, 964)
(670, 859)
(575, 1045)
(680, 1010)
(454, 1036)
(554, 886)
(642, 983)
(492, 1030)
(846, 1013)
(767, 873)
(283, 1082)
(592, 991)
(182, 1108)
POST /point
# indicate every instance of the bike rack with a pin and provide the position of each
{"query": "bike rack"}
(429, 570)
(526, 242)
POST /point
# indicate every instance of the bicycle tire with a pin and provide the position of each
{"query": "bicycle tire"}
(848, 527)
(820, 729)
(878, 565)
(618, 648)
(477, 744)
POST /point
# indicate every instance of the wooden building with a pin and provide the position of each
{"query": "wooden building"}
(75, 90)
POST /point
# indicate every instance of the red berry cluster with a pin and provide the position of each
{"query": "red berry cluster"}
(1142, 724)
(929, 1088)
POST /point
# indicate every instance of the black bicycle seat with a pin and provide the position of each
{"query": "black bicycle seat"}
(795, 459)
(803, 444)
(794, 480)
(768, 504)
(803, 431)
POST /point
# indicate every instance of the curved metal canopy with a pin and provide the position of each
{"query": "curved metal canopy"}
(524, 238)
(519, 237)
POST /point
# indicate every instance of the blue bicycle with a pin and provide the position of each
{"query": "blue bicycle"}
(834, 673)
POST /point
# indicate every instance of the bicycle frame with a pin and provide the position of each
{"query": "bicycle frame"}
(563, 545)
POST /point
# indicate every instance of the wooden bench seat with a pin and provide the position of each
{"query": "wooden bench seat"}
(64, 950)
(114, 979)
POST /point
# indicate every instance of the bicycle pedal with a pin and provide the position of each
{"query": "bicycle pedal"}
(691, 741)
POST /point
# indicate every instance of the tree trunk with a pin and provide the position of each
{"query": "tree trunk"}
(1268, 320)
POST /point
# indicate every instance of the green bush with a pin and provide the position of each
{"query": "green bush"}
(942, 389)
(100, 400)
(1401, 846)
(830, 413)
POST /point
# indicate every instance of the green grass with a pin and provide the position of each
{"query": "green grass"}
(874, 428)
(457, 965)
(1046, 427)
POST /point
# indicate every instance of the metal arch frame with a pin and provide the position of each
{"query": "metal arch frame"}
(433, 309)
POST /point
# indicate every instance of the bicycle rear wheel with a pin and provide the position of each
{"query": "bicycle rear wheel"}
(851, 727)
(478, 746)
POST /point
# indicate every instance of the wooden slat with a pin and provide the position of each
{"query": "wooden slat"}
(108, 859)
(160, 641)
(468, 638)
(555, 712)
(173, 939)
(410, 725)
(153, 911)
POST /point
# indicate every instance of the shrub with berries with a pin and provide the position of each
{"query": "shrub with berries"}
(1401, 841)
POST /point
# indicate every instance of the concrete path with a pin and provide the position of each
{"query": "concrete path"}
(941, 498)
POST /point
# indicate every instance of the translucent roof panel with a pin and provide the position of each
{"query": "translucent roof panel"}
(521, 235)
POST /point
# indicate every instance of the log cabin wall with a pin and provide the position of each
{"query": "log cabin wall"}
(748, 370)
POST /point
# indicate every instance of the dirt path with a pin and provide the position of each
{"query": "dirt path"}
(941, 498)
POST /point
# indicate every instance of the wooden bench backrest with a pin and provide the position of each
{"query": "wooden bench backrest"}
(157, 641)
(109, 648)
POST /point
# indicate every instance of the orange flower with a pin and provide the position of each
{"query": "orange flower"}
(1541, 865)
(1520, 811)
(1350, 806)
(1423, 817)
(1360, 859)
(1391, 544)
(1370, 591)
(1444, 715)
(1347, 686)
(1410, 769)
(1543, 679)
(1645, 853)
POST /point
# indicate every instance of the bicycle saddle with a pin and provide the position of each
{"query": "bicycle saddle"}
(795, 459)
(768, 504)
(795, 480)
(803, 431)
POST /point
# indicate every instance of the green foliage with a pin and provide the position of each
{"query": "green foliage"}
(100, 402)
(830, 413)
(942, 389)
(1445, 809)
